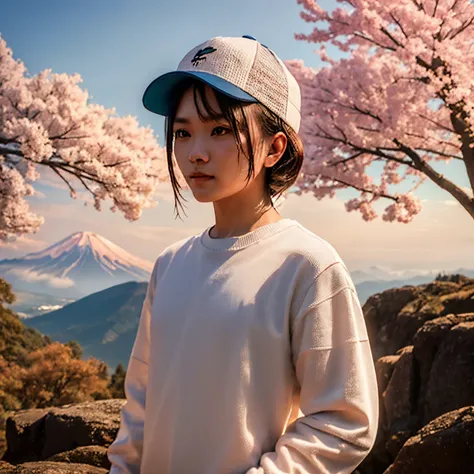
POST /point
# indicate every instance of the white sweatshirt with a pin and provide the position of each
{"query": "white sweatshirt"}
(251, 357)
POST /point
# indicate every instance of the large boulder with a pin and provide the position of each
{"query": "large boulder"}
(432, 347)
(36, 435)
(451, 381)
(379, 310)
(443, 446)
(394, 316)
(384, 368)
(399, 397)
(24, 431)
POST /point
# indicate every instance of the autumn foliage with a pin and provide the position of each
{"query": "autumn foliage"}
(38, 373)
(53, 377)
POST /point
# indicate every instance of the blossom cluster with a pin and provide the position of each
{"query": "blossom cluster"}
(401, 95)
(47, 120)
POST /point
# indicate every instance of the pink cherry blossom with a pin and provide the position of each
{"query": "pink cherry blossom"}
(46, 121)
(402, 96)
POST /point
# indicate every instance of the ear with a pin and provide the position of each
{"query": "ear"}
(277, 148)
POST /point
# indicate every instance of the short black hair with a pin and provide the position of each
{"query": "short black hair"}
(279, 177)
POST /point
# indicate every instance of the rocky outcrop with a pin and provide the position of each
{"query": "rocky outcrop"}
(445, 445)
(76, 434)
(394, 316)
(425, 372)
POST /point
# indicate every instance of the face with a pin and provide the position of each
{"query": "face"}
(209, 147)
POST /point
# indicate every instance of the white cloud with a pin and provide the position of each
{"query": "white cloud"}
(49, 307)
(51, 280)
(39, 195)
(23, 243)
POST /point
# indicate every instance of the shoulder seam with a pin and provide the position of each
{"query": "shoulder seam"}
(317, 303)
(320, 273)
(340, 290)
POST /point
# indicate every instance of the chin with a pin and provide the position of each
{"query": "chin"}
(204, 197)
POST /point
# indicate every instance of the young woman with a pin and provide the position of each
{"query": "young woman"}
(251, 355)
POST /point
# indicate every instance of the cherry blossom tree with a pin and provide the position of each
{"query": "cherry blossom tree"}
(401, 95)
(47, 121)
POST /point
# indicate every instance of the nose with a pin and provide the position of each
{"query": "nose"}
(198, 152)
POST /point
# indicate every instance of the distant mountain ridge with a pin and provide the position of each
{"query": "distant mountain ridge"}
(104, 323)
(81, 264)
(377, 279)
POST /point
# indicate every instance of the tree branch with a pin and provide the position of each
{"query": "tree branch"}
(436, 123)
(64, 179)
(383, 30)
(4, 151)
(363, 190)
(399, 25)
(440, 153)
(87, 187)
(463, 27)
(466, 201)
(345, 160)
(370, 40)
(111, 165)
(7, 141)
(73, 127)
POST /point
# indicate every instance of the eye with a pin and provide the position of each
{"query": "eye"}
(220, 131)
(180, 133)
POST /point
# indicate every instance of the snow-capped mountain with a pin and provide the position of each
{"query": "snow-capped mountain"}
(80, 264)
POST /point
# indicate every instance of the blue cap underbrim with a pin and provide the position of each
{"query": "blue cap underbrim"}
(158, 99)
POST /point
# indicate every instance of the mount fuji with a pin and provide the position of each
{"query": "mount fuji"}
(78, 265)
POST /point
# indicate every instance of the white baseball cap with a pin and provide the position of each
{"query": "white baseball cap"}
(239, 67)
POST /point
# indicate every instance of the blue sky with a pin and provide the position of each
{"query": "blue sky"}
(119, 46)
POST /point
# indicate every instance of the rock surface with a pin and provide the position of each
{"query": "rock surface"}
(93, 455)
(423, 344)
(59, 433)
(52, 468)
(443, 446)
(394, 316)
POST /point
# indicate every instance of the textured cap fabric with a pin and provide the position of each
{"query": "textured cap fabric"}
(239, 67)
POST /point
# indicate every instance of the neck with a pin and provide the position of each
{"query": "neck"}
(234, 219)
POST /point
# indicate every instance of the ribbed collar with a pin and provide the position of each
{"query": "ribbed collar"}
(242, 241)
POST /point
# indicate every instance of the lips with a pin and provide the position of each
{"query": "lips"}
(201, 175)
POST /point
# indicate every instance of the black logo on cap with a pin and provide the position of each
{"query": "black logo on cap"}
(201, 55)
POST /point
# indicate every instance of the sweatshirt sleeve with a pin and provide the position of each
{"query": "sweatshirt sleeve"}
(125, 452)
(336, 376)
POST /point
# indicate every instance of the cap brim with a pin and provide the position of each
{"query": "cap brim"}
(158, 99)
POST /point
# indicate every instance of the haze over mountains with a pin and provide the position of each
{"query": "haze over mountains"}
(85, 263)
(81, 264)
(105, 323)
